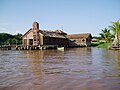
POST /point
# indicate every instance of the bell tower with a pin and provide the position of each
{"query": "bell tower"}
(35, 26)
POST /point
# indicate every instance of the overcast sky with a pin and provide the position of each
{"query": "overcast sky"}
(73, 16)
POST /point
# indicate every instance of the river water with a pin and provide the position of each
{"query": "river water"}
(72, 69)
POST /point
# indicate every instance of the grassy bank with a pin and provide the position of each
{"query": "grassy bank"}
(94, 44)
(100, 44)
(103, 45)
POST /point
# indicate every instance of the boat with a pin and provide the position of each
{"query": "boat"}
(112, 48)
(60, 48)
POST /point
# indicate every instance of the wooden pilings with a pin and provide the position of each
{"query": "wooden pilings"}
(31, 47)
(5, 47)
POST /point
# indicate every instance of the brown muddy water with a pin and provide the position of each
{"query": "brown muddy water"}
(72, 69)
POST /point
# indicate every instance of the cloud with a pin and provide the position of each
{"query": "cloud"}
(4, 28)
(17, 31)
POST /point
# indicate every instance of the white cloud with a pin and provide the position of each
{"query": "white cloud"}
(3, 29)
(17, 31)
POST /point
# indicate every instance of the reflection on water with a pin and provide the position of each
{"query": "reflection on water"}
(72, 69)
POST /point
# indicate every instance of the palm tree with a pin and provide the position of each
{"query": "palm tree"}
(116, 30)
(106, 35)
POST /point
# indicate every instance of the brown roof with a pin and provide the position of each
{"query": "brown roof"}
(49, 33)
(84, 35)
(60, 32)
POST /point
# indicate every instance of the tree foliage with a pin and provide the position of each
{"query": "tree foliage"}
(8, 39)
(106, 35)
(115, 27)
(116, 31)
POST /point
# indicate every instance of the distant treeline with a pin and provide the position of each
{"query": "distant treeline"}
(8, 39)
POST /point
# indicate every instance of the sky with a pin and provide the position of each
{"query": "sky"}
(72, 16)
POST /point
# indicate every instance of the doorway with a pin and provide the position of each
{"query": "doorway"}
(30, 41)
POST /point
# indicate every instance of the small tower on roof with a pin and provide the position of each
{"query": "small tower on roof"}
(35, 26)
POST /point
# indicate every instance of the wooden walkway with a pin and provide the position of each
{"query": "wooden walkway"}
(30, 47)
(5, 47)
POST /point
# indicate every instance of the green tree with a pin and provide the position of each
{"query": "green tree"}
(116, 32)
(6, 39)
(17, 39)
(106, 35)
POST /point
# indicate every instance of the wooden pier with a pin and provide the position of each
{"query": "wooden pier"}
(30, 47)
(38, 47)
(5, 47)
